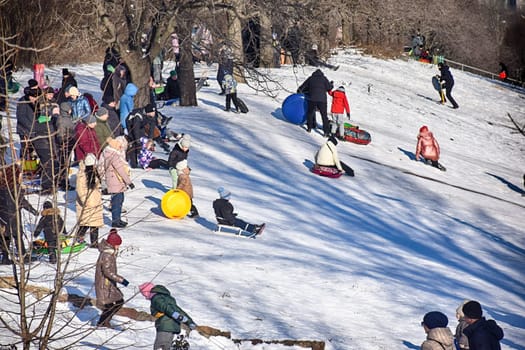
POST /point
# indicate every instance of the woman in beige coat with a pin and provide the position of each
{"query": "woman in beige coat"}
(89, 200)
(439, 336)
(109, 297)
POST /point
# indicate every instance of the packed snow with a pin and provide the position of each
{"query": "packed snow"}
(354, 262)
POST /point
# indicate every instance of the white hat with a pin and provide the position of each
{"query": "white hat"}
(90, 159)
(73, 91)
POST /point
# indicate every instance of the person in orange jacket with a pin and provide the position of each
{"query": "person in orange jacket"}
(428, 148)
(339, 106)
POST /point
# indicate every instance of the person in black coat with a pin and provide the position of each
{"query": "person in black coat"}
(53, 226)
(446, 76)
(178, 154)
(36, 124)
(315, 88)
(13, 201)
(225, 215)
(482, 334)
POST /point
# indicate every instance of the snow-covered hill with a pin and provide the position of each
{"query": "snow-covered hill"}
(355, 262)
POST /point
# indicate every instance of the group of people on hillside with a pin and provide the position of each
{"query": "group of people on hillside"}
(473, 331)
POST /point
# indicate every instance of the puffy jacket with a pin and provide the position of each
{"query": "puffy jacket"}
(316, 87)
(229, 84)
(439, 339)
(176, 155)
(163, 305)
(484, 335)
(25, 115)
(80, 108)
(224, 209)
(106, 277)
(327, 156)
(427, 146)
(184, 183)
(87, 141)
(116, 170)
(126, 102)
(339, 102)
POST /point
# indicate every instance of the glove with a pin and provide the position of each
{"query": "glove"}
(348, 115)
(131, 186)
(125, 282)
(180, 318)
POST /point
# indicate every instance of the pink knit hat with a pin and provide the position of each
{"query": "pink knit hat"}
(145, 289)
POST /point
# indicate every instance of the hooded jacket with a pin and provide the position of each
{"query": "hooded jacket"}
(126, 102)
(106, 277)
(484, 335)
(163, 305)
(427, 146)
(327, 156)
(316, 87)
(339, 102)
(439, 339)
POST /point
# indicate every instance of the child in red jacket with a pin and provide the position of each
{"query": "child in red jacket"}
(339, 106)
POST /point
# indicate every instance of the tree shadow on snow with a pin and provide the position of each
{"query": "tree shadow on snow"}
(509, 184)
(410, 155)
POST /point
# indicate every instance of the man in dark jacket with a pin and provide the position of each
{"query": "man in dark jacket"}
(481, 334)
(36, 120)
(446, 76)
(315, 88)
(225, 215)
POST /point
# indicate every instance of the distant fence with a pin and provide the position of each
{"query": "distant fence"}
(484, 73)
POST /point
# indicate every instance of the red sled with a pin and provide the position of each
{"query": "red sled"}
(356, 135)
(326, 171)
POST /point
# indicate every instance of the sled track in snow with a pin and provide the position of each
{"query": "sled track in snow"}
(404, 171)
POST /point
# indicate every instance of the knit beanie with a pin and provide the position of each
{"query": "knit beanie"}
(149, 108)
(341, 88)
(113, 238)
(472, 309)
(224, 193)
(48, 205)
(32, 83)
(183, 164)
(73, 91)
(101, 112)
(185, 141)
(424, 128)
(91, 119)
(145, 289)
(435, 319)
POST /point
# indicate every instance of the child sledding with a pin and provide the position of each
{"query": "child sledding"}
(327, 161)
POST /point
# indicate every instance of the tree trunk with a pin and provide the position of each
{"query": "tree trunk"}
(266, 48)
(186, 75)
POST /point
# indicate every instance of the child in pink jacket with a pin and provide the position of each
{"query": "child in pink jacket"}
(428, 147)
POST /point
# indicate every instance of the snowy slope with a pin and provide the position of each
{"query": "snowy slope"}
(355, 262)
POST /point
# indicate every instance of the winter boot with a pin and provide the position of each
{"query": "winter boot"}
(93, 236)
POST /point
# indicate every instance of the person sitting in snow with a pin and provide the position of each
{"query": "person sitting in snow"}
(427, 147)
(52, 224)
(439, 336)
(146, 158)
(339, 106)
(327, 157)
(225, 215)
(169, 316)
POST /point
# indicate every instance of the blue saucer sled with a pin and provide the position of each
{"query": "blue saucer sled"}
(294, 109)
